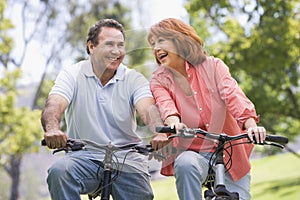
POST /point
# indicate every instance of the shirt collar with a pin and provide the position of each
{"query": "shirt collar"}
(119, 75)
(164, 70)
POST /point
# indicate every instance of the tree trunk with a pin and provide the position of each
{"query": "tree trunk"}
(15, 164)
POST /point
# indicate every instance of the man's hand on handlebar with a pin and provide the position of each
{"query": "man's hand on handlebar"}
(161, 144)
(55, 139)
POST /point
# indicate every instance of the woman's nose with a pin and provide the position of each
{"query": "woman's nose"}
(156, 47)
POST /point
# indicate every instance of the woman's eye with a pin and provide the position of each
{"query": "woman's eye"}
(161, 40)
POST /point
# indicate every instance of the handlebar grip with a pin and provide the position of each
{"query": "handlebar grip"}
(43, 142)
(277, 139)
(165, 129)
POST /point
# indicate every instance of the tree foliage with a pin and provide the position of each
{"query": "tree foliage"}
(19, 130)
(259, 41)
(84, 15)
(6, 42)
(20, 126)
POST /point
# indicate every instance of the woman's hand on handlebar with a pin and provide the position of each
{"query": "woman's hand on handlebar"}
(177, 126)
(174, 122)
(259, 132)
(55, 139)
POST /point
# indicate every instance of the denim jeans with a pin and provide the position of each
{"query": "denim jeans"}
(191, 170)
(72, 175)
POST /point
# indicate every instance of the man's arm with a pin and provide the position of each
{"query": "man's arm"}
(150, 115)
(51, 118)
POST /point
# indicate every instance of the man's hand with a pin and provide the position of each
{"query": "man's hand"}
(162, 145)
(55, 139)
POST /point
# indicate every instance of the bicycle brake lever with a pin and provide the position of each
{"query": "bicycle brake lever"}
(159, 155)
(274, 144)
(147, 150)
(184, 133)
(72, 145)
(61, 149)
(75, 145)
(269, 143)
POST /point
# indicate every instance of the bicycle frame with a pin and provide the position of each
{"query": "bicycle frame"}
(219, 191)
(105, 184)
(104, 189)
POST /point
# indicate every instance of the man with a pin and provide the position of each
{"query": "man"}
(99, 97)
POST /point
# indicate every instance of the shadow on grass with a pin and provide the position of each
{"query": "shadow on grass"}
(288, 186)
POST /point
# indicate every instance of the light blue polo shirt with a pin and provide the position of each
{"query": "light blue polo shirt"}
(99, 113)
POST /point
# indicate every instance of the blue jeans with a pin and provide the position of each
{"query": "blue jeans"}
(72, 175)
(191, 170)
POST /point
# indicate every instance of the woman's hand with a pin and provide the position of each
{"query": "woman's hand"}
(259, 132)
(177, 126)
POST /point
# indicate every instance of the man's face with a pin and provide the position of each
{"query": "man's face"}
(110, 51)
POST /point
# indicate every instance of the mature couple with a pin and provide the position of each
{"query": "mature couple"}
(100, 97)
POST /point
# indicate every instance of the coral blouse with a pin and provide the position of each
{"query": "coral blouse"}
(210, 99)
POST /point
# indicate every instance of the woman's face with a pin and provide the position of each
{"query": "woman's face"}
(165, 51)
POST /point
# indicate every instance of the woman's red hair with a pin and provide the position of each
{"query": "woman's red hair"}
(189, 45)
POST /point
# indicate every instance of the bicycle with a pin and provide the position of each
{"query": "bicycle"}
(104, 188)
(215, 183)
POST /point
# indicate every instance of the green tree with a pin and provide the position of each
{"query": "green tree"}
(259, 40)
(19, 126)
(6, 43)
(19, 130)
(83, 16)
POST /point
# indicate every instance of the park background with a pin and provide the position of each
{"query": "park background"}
(258, 40)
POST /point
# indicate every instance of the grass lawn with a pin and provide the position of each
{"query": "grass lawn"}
(273, 178)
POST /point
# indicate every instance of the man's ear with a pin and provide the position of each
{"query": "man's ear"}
(91, 47)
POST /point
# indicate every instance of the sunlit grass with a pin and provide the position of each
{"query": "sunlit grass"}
(276, 178)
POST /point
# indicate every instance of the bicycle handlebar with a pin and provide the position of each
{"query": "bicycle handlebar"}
(192, 132)
(77, 144)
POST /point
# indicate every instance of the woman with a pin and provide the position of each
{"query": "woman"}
(193, 89)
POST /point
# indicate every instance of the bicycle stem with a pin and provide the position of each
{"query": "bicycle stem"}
(107, 173)
(220, 167)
